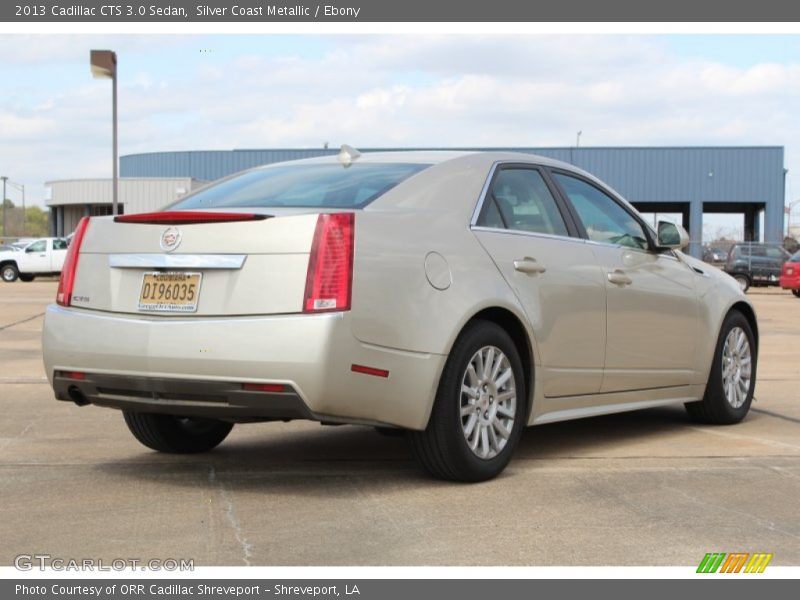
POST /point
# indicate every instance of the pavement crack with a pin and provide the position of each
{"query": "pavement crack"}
(22, 433)
(20, 322)
(775, 414)
(23, 380)
(727, 434)
(230, 513)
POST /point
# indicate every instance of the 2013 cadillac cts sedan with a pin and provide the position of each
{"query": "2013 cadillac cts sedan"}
(457, 296)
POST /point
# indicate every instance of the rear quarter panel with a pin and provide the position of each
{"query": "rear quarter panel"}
(394, 303)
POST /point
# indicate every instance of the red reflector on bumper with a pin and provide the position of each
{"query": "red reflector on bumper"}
(369, 371)
(79, 375)
(264, 387)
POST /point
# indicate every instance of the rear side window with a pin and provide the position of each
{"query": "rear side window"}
(60, 244)
(776, 252)
(314, 185)
(520, 200)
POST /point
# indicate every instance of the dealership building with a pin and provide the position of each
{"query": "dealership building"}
(685, 181)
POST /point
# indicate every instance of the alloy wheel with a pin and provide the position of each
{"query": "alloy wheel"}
(488, 402)
(737, 360)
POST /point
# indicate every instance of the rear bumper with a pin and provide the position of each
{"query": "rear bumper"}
(197, 365)
(790, 282)
(187, 397)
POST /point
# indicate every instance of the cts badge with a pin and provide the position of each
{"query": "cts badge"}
(170, 239)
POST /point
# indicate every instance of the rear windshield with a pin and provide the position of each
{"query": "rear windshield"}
(316, 185)
(795, 257)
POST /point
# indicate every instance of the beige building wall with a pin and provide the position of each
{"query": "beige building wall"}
(71, 199)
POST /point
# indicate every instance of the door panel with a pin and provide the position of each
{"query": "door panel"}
(563, 293)
(651, 297)
(652, 320)
(36, 258)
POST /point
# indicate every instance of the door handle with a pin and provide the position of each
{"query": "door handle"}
(528, 265)
(618, 277)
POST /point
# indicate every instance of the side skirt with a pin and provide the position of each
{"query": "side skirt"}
(565, 408)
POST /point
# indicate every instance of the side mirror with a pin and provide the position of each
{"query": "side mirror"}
(671, 236)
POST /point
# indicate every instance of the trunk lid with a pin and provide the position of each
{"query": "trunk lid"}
(245, 267)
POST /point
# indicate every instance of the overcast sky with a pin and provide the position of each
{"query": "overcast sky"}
(182, 92)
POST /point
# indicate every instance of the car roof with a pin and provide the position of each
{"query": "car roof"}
(439, 157)
(434, 157)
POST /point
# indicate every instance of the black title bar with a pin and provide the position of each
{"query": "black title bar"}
(370, 11)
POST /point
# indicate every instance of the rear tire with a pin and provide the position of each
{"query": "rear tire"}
(394, 432)
(176, 435)
(9, 273)
(479, 412)
(732, 380)
(26, 277)
(743, 281)
(796, 293)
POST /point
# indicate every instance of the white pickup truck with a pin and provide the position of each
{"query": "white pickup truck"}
(44, 256)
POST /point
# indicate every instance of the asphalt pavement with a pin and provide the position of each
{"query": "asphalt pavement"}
(645, 488)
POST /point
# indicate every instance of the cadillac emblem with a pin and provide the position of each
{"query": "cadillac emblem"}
(170, 239)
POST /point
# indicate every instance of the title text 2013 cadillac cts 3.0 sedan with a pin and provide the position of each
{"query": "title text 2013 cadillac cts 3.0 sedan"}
(458, 296)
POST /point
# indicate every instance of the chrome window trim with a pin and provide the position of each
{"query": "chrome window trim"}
(485, 190)
(176, 261)
(473, 224)
(550, 236)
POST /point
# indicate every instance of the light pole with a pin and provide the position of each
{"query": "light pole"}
(104, 66)
(789, 216)
(578, 139)
(20, 187)
(5, 179)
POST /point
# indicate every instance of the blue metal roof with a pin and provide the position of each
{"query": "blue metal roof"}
(641, 174)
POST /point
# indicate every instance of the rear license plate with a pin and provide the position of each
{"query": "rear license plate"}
(170, 292)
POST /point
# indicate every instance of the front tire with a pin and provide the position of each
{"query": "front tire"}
(9, 273)
(176, 435)
(732, 380)
(480, 408)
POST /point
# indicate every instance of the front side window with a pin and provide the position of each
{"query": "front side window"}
(310, 185)
(519, 199)
(39, 246)
(603, 218)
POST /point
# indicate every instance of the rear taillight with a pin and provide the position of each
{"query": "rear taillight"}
(329, 280)
(188, 217)
(67, 281)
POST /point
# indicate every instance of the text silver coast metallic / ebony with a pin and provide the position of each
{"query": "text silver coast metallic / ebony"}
(452, 297)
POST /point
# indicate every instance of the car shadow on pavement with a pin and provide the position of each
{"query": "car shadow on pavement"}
(331, 460)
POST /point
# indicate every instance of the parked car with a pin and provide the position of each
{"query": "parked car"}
(714, 255)
(755, 264)
(39, 257)
(790, 274)
(456, 296)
